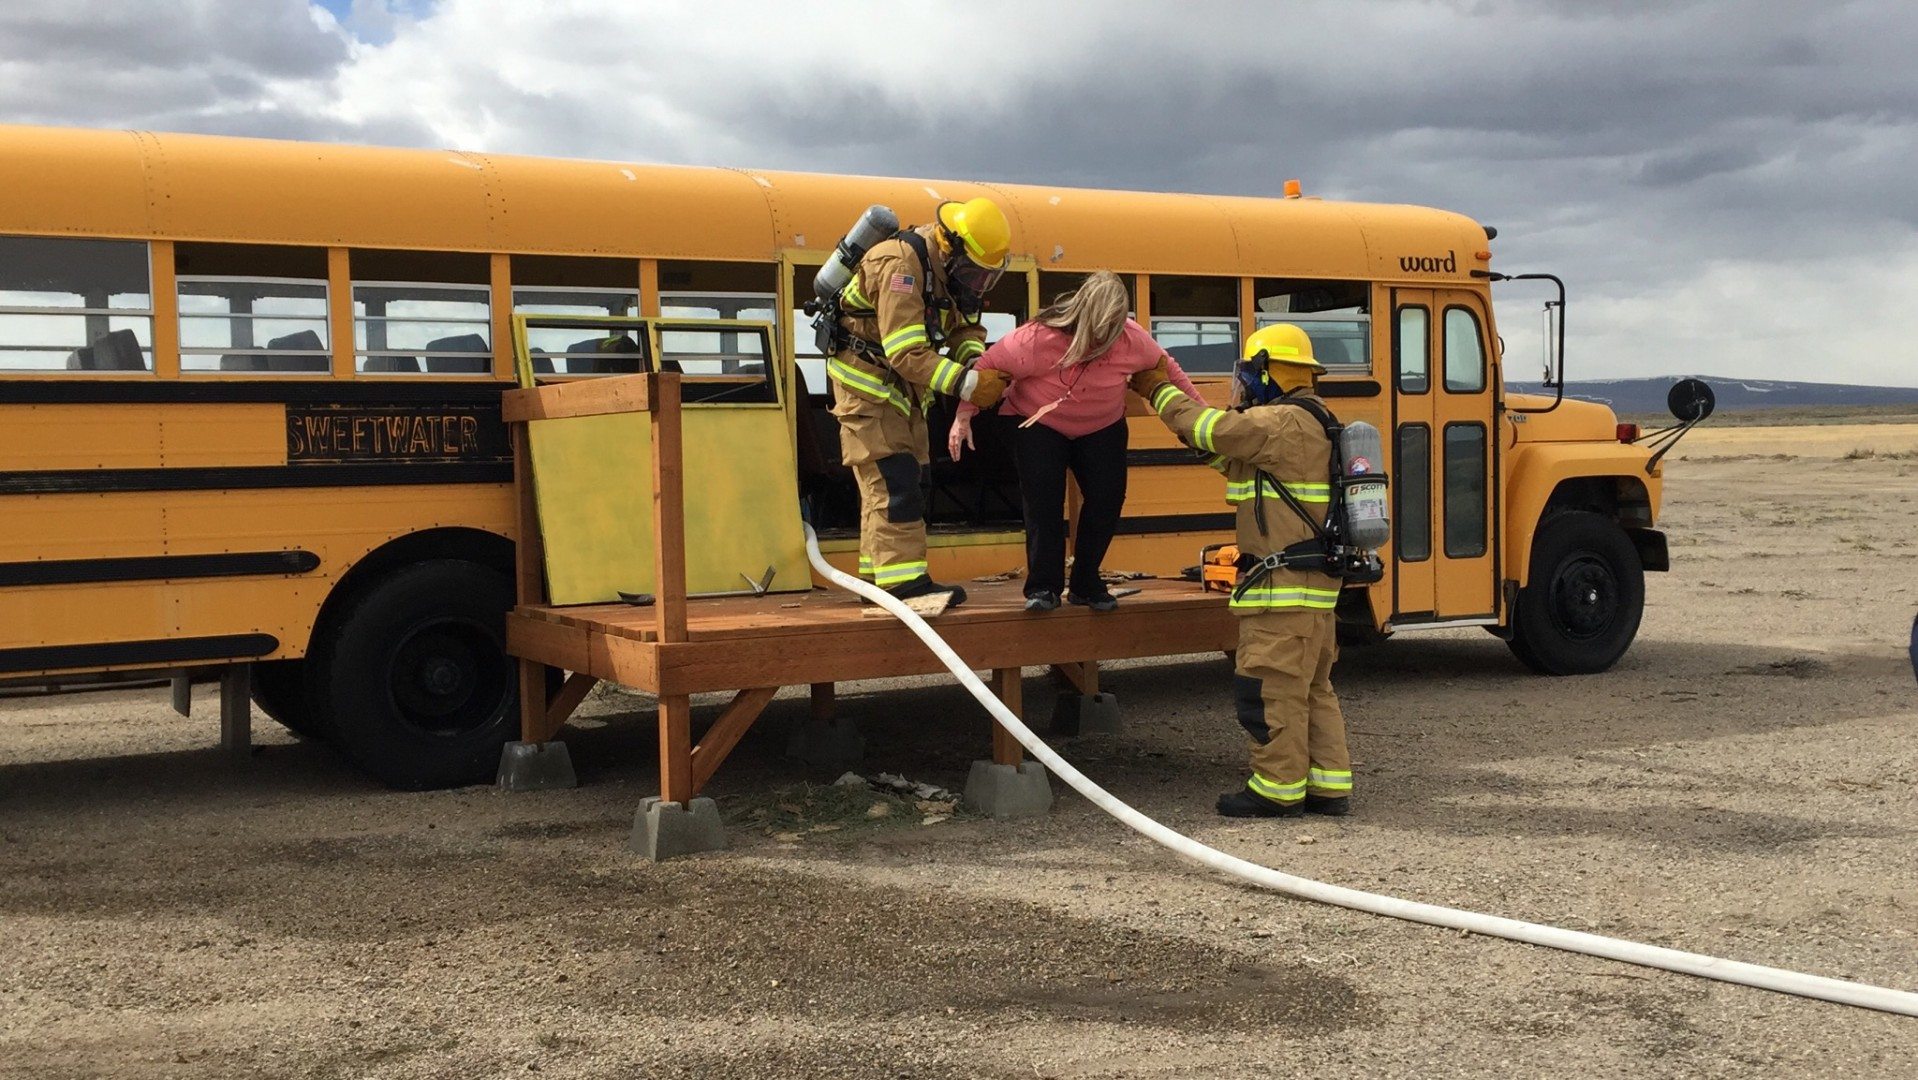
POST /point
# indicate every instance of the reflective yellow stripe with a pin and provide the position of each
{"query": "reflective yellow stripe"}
(1202, 431)
(946, 376)
(866, 384)
(1277, 792)
(865, 566)
(1280, 596)
(898, 573)
(1329, 780)
(967, 350)
(1239, 491)
(904, 338)
(1162, 397)
(851, 296)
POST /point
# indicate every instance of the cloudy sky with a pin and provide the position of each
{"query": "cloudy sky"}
(1729, 189)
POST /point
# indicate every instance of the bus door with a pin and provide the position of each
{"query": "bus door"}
(1442, 459)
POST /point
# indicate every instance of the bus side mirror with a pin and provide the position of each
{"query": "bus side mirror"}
(1690, 400)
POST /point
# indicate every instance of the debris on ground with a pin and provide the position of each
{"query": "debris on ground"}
(894, 782)
(850, 803)
(1007, 575)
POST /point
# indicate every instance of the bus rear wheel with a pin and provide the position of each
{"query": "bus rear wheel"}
(1581, 609)
(415, 676)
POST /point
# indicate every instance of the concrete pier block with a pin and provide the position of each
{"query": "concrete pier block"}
(830, 743)
(1006, 792)
(1087, 714)
(667, 830)
(525, 766)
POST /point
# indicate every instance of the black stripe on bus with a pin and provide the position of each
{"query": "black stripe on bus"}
(1177, 523)
(157, 567)
(1352, 388)
(250, 477)
(1174, 456)
(252, 391)
(184, 650)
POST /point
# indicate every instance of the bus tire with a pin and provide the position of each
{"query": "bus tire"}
(280, 690)
(1581, 609)
(415, 676)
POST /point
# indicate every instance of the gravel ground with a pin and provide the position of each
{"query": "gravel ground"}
(1741, 784)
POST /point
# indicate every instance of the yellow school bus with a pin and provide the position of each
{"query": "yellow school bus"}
(249, 405)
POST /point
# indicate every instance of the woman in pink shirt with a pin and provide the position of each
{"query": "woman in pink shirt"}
(1069, 367)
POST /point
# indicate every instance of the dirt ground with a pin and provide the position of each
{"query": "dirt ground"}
(1744, 783)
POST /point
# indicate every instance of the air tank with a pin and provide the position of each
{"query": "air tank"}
(1361, 456)
(876, 224)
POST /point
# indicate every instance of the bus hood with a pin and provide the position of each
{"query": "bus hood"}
(1572, 421)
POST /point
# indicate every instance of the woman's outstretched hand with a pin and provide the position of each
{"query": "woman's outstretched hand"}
(961, 434)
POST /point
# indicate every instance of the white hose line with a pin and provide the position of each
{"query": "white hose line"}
(1630, 952)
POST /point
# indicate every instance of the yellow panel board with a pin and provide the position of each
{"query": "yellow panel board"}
(593, 478)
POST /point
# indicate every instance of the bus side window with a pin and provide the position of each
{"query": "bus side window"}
(1464, 352)
(75, 305)
(421, 312)
(1412, 492)
(1336, 315)
(1196, 321)
(1410, 348)
(252, 308)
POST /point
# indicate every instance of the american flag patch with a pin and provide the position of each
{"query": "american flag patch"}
(900, 283)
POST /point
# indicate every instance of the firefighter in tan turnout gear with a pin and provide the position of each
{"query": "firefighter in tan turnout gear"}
(1273, 447)
(911, 296)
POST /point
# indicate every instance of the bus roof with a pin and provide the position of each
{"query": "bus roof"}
(63, 181)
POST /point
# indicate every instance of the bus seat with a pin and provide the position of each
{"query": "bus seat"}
(116, 350)
(1333, 352)
(616, 355)
(542, 363)
(310, 356)
(481, 362)
(242, 362)
(392, 364)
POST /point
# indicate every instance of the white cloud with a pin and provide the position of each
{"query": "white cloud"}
(1707, 179)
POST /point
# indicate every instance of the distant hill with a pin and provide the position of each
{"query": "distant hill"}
(1637, 396)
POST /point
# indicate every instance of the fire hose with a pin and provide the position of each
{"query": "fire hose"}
(1842, 991)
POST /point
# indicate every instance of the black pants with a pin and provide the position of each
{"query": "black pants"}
(1097, 461)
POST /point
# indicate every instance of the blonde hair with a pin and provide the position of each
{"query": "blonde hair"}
(1094, 314)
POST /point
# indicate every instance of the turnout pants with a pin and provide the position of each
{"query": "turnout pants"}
(885, 446)
(1283, 692)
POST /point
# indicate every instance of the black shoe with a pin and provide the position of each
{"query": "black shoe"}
(1330, 807)
(925, 586)
(1043, 600)
(1099, 601)
(1242, 803)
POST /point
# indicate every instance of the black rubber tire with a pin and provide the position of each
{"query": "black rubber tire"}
(280, 691)
(1580, 611)
(414, 675)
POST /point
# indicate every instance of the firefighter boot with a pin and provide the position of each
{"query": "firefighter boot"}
(1243, 803)
(925, 586)
(1330, 807)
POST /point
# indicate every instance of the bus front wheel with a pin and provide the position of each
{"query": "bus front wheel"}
(1580, 611)
(414, 673)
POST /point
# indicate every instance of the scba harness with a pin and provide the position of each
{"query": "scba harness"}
(834, 337)
(1328, 550)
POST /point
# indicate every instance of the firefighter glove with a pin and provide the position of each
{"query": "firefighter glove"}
(1143, 383)
(983, 387)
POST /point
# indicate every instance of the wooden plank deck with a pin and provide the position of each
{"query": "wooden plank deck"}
(737, 643)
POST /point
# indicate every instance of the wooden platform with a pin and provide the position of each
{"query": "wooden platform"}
(752, 646)
(787, 640)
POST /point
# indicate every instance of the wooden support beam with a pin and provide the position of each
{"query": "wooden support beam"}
(1008, 686)
(532, 702)
(676, 749)
(585, 397)
(727, 731)
(561, 707)
(669, 512)
(1083, 676)
(823, 699)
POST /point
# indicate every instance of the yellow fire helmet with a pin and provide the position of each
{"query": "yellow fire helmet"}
(1282, 343)
(981, 226)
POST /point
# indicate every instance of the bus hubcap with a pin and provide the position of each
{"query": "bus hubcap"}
(1584, 598)
(448, 677)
